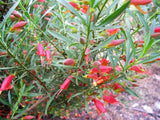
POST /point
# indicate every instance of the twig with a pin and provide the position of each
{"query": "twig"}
(34, 105)
(5, 70)
(11, 54)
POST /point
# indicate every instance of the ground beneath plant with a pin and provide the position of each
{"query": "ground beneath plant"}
(146, 107)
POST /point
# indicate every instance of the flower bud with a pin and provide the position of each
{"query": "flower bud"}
(19, 25)
(24, 53)
(82, 40)
(16, 14)
(12, 16)
(154, 35)
(115, 43)
(69, 62)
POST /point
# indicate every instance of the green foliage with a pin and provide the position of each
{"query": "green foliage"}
(58, 25)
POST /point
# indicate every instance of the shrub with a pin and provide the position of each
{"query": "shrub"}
(65, 54)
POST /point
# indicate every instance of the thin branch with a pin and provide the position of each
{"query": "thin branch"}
(11, 54)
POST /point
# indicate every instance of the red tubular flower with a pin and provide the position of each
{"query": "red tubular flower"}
(136, 3)
(69, 62)
(39, 116)
(154, 35)
(140, 2)
(139, 69)
(87, 56)
(65, 85)
(103, 69)
(84, 9)
(115, 43)
(75, 5)
(100, 80)
(48, 56)
(110, 99)
(28, 117)
(99, 106)
(6, 83)
(19, 25)
(157, 30)
(40, 52)
(111, 32)
(93, 76)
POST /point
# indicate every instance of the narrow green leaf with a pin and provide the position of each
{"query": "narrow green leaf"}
(111, 58)
(155, 42)
(15, 107)
(143, 21)
(5, 68)
(47, 11)
(131, 14)
(130, 91)
(147, 45)
(71, 97)
(131, 42)
(96, 3)
(9, 97)
(59, 36)
(49, 102)
(150, 58)
(104, 43)
(114, 3)
(129, 53)
(114, 15)
(91, 3)
(101, 93)
(82, 80)
(4, 102)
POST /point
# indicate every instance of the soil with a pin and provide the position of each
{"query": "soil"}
(145, 107)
